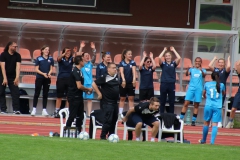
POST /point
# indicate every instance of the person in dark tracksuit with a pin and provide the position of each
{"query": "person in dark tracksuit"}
(9, 75)
(44, 65)
(65, 63)
(223, 74)
(146, 68)
(168, 78)
(110, 93)
(102, 67)
(75, 94)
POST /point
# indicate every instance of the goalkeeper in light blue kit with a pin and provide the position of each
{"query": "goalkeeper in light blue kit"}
(213, 92)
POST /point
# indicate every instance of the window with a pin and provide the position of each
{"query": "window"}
(84, 3)
(26, 1)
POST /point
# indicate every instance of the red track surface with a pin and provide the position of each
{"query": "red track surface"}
(27, 125)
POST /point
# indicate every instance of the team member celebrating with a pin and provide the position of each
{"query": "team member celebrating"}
(65, 63)
(236, 102)
(87, 73)
(75, 94)
(168, 78)
(143, 113)
(213, 92)
(146, 71)
(195, 88)
(110, 93)
(223, 74)
(44, 65)
(9, 75)
(127, 69)
(102, 67)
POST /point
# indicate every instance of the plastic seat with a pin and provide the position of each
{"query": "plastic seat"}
(137, 86)
(234, 79)
(25, 54)
(156, 86)
(205, 63)
(36, 53)
(94, 72)
(234, 90)
(186, 63)
(155, 76)
(55, 55)
(30, 79)
(95, 127)
(156, 59)
(64, 120)
(53, 80)
(186, 78)
(117, 58)
(163, 129)
(27, 68)
(137, 60)
(208, 78)
(127, 128)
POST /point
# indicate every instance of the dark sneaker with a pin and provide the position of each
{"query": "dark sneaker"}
(193, 123)
(3, 112)
(56, 114)
(16, 112)
(201, 142)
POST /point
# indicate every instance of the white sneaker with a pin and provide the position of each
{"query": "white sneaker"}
(33, 113)
(229, 125)
(219, 124)
(44, 113)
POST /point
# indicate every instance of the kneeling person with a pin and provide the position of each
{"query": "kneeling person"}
(110, 93)
(144, 113)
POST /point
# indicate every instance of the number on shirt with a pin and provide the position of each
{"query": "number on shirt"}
(212, 93)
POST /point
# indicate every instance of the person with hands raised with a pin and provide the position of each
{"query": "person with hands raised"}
(43, 66)
(87, 73)
(195, 89)
(109, 93)
(168, 77)
(224, 72)
(127, 68)
(146, 68)
(65, 63)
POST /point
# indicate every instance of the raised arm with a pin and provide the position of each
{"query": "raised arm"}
(5, 82)
(177, 60)
(212, 63)
(82, 45)
(94, 53)
(59, 58)
(237, 68)
(142, 61)
(161, 55)
(228, 67)
(153, 62)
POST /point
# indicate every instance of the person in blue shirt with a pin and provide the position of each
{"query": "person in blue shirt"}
(236, 101)
(44, 65)
(213, 92)
(102, 67)
(65, 64)
(223, 74)
(87, 74)
(195, 88)
(168, 78)
(127, 86)
(146, 68)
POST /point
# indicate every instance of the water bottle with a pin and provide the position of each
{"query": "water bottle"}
(50, 134)
(188, 116)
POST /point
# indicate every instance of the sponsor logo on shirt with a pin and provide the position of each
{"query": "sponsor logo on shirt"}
(130, 66)
(49, 61)
(196, 75)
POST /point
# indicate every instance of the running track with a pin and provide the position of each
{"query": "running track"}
(27, 125)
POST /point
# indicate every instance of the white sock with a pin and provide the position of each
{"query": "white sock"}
(120, 110)
(34, 109)
(137, 139)
(56, 109)
(44, 110)
(152, 139)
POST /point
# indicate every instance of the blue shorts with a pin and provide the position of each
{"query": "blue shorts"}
(148, 120)
(213, 113)
(85, 95)
(236, 101)
(194, 95)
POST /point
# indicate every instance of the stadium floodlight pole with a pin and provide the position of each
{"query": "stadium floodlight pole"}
(19, 36)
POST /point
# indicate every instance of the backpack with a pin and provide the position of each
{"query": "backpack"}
(24, 103)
